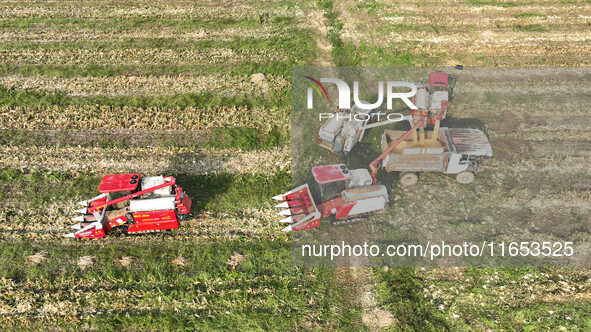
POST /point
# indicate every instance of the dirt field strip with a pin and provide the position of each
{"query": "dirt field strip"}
(138, 118)
(145, 85)
(137, 56)
(148, 160)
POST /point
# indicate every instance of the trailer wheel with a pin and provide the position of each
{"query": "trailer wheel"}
(465, 177)
(408, 178)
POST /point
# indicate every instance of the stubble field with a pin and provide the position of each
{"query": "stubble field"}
(201, 91)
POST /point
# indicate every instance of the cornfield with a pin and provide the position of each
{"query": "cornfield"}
(94, 88)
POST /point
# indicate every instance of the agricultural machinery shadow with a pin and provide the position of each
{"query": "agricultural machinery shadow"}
(219, 191)
(472, 123)
(202, 188)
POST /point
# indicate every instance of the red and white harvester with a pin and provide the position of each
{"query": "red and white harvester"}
(349, 195)
(131, 204)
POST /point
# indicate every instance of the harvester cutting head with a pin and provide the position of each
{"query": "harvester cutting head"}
(131, 204)
(301, 212)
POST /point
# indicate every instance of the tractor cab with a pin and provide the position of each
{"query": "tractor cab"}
(334, 179)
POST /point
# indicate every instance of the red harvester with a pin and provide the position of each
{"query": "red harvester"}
(349, 195)
(132, 204)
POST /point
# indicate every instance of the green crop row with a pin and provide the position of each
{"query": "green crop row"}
(166, 284)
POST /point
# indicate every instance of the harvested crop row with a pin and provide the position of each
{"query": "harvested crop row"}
(526, 86)
(458, 19)
(152, 118)
(497, 37)
(516, 213)
(138, 56)
(542, 48)
(156, 160)
(532, 106)
(552, 201)
(480, 78)
(131, 297)
(558, 165)
(476, 12)
(498, 187)
(124, 138)
(548, 33)
(178, 10)
(549, 52)
(53, 221)
(146, 85)
(572, 136)
(519, 289)
(214, 281)
(514, 73)
(86, 34)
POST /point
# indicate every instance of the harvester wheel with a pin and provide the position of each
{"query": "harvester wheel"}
(408, 178)
(465, 177)
(123, 229)
(120, 230)
(129, 218)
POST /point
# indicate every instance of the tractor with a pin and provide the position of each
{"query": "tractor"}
(131, 204)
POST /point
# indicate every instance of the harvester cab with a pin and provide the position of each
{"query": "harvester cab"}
(132, 204)
(346, 195)
(334, 179)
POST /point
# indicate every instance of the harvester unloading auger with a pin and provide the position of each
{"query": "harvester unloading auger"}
(130, 204)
